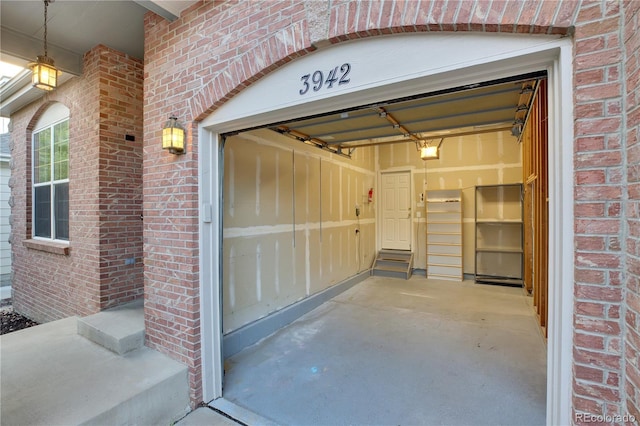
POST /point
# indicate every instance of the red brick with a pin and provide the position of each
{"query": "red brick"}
(438, 8)
(588, 373)
(598, 293)
(598, 192)
(600, 58)
(594, 325)
(590, 110)
(592, 209)
(598, 126)
(494, 16)
(592, 143)
(587, 341)
(511, 16)
(603, 393)
(589, 243)
(614, 210)
(527, 16)
(590, 177)
(602, 226)
(544, 20)
(602, 159)
(590, 309)
(448, 15)
(589, 276)
(598, 92)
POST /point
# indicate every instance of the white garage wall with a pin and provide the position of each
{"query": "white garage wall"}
(284, 201)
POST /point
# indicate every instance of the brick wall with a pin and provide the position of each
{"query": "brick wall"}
(631, 39)
(215, 49)
(599, 259)
(105, 227)
(120, 178)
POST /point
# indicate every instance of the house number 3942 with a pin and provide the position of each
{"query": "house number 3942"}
(317, 80)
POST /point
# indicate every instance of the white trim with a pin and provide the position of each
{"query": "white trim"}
(5, 292)
(209, 246)
(535, 53)
(561, 274)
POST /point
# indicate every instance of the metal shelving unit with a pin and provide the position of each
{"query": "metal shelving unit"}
(499, 234)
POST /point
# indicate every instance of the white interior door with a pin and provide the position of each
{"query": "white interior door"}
(396, 210)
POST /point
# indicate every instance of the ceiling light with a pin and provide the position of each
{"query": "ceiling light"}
(44, 74)
(428, 151)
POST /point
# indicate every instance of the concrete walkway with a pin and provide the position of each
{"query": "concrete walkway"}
(52, 376)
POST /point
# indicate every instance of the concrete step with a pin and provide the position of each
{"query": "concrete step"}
(51, 375)
(120, 329)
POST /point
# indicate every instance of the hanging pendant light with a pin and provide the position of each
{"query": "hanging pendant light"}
(44, 74)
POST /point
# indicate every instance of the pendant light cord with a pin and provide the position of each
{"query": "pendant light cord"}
(46, 3)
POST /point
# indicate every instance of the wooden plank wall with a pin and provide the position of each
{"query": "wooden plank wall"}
(536, 230)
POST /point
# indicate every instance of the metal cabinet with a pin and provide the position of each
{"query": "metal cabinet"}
(444, 234)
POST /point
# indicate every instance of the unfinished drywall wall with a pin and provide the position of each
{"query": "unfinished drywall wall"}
(290, 222)
(465, 161)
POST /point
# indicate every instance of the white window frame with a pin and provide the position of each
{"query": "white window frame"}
(51, 183)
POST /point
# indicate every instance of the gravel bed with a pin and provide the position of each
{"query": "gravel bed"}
(12, 321)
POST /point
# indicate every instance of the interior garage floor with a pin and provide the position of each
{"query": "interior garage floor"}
(390, 351)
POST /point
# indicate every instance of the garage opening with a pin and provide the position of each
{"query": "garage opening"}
(314, 228)
(299, 222)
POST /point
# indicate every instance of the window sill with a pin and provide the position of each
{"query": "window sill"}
(53, 247)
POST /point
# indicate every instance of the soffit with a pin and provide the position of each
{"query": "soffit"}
(73, 28)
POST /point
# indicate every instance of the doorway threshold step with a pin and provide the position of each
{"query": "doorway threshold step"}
(394, 264)
(120, 329)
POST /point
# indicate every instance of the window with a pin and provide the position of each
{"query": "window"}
(51, 181)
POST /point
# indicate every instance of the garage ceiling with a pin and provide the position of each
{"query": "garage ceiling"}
(489, 107)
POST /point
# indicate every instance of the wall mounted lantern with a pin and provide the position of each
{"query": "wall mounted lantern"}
(428, 151)
(44, 74)
(173, 136)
